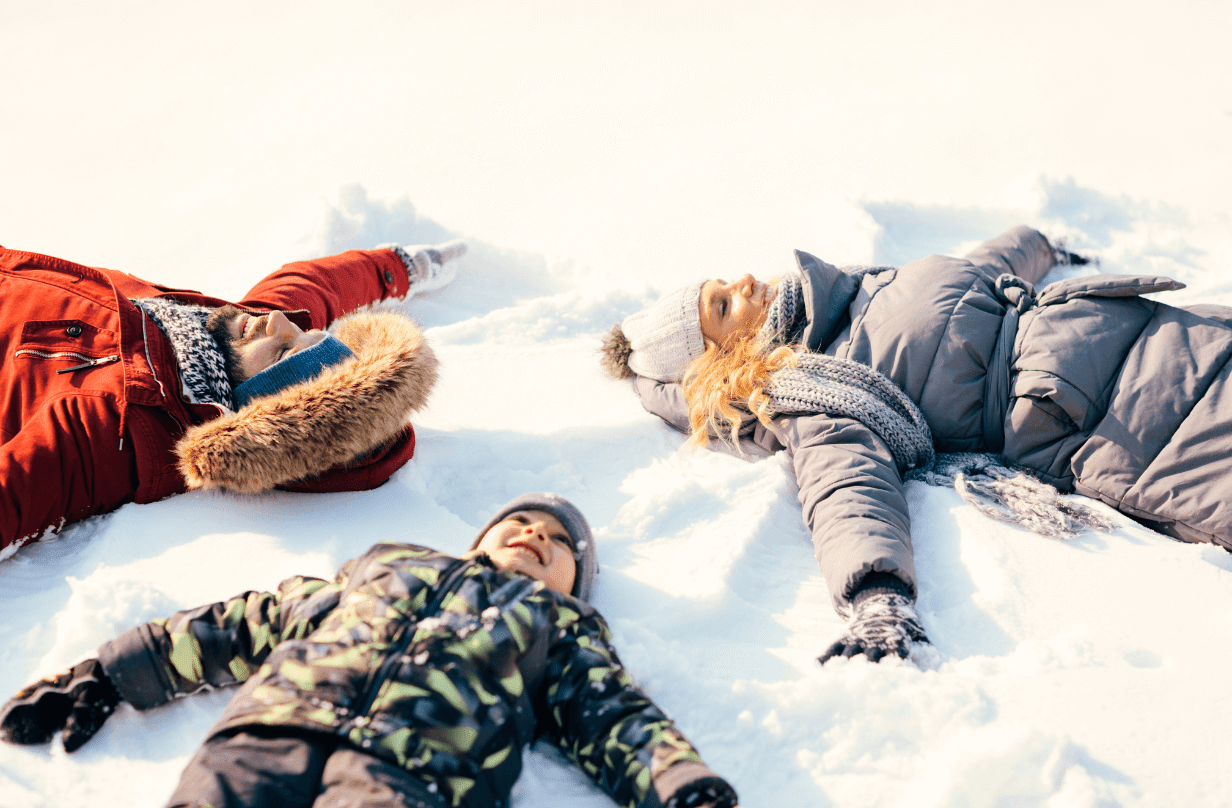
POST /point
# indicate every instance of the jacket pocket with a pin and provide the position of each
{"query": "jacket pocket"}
(74, 343)
(68, 335)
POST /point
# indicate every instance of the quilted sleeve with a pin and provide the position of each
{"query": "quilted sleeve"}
(612, 730)
(215, 645)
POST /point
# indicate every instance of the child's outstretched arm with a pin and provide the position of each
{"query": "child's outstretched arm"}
(613, 731)
(216, 645)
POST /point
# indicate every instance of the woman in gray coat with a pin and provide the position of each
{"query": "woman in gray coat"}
(861, 373)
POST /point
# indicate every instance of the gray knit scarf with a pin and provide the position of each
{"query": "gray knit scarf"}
(827, 384)
(203, 369)
(785, 319)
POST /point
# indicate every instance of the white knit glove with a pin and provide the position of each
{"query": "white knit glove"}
(429, 267)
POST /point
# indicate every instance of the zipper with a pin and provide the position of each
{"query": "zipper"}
(403, 640)
(145, 340)
(89, 361)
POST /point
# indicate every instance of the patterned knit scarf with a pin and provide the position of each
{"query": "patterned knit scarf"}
(827, 384)
(203, 369)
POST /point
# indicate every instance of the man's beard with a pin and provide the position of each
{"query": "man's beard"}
(219, 325)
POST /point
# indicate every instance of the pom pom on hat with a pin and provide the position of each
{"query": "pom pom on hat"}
(615, 353)
(666, 337)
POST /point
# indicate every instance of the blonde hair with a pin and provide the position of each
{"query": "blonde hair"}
(724, 384)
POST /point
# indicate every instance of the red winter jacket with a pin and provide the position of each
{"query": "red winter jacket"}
(90, 392)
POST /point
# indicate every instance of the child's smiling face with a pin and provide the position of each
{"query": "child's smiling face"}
(533, 543)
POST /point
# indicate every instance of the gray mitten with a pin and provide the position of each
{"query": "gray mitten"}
(429, 267)
(883, 621)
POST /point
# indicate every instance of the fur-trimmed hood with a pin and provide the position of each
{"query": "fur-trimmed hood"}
(312, 427)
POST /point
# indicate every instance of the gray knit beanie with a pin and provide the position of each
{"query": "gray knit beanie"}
(585, 553)
(666, 337)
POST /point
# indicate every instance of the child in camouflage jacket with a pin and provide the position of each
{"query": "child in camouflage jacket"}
(411, 679)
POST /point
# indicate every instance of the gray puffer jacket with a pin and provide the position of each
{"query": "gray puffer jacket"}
(1093, 386)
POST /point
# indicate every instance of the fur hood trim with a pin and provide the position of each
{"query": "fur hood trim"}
(312, 427)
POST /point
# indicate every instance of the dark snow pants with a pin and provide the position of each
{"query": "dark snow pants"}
(275, 767)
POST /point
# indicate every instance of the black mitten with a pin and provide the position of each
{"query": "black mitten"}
(1063, 257)
(1066, 258)
(883, 621)
(77, 701)
(691, 785)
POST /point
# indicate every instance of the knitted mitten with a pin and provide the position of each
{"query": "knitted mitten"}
(77, 701)
(686, 784)
(428, 267)
(883, 621)
(713, 793)
(1066, 258)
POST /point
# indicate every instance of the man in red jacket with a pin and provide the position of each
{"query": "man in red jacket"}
(115, 390)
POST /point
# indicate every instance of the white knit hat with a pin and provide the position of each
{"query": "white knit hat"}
(666, 337)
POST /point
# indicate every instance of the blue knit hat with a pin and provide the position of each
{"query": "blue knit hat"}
(300, 366)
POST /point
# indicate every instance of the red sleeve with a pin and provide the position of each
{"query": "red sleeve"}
(64, 465)
(331, 287)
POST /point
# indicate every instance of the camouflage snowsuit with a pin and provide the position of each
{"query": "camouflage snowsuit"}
(445, 667)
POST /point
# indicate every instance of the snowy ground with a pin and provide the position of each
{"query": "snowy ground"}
(594, 156)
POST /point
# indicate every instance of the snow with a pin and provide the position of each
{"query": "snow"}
(594, 156)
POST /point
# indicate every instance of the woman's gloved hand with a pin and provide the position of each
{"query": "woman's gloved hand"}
(883, 621)
(1063, 257)
(77, 701)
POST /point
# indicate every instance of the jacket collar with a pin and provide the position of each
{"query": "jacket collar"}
(308, 429)
(828, 291)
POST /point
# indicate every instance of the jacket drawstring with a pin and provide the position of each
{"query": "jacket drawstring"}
(145, 343)
(1020, 296)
